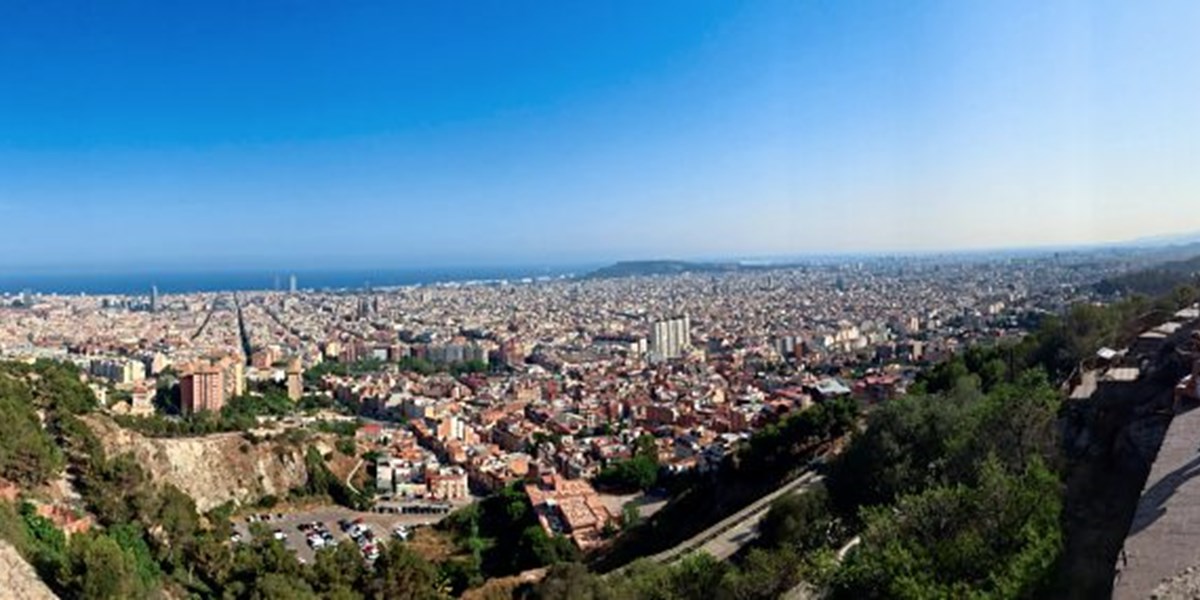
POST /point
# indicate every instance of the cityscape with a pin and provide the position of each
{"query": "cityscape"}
(615, 301)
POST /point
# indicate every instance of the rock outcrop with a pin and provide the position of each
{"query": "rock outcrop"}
(1183, 586)
(18, 580)
(213, 469)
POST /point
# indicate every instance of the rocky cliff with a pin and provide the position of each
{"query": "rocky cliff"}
(213, 469)
(18, 579)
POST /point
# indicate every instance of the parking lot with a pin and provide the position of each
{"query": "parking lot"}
(289, 524)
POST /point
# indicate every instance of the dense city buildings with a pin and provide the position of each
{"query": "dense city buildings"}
(476, 386)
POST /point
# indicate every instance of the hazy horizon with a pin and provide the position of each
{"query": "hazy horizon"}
(322, 265)
(225, 135)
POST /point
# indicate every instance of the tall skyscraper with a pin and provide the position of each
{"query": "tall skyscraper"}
(670, 338)
(154, 298)
(292, 283)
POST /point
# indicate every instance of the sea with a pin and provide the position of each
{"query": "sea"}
(174, 282)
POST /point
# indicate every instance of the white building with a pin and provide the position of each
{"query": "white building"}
(670, 338)
(118, 370)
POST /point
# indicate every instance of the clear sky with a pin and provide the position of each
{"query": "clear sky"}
(322, 134)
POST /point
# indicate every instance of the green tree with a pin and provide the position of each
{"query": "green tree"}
(908, 444)
(802, 521)
(28, 455)
(630, 516)
(276, 586)
(697, 575)
(400, 574)
(132, 539)
(538, 549)
(998, 538)
(177, 516)
(572, 581)
(340, 568)
(99, 569)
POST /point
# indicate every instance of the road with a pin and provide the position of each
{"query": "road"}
(350, 477)
(247, 347)
(207, 317)
(731, 533)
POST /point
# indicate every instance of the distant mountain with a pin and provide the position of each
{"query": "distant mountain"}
(1177, 239)
(1154, 281)
(634, 268)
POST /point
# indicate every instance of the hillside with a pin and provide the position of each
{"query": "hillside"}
(212, 469)
(636, 268)
(1154, 281)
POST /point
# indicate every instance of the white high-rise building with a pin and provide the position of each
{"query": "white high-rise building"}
(292, 283)
(670, 338)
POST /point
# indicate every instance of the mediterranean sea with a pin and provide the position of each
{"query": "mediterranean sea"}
(171, 282)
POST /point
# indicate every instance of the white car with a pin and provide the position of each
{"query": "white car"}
(280, 535)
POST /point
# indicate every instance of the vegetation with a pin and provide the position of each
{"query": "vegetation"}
(322, 482)
(1158, 281)
(954, 491)
(951, 493)
(239, 414)
(150, 539)
(638, 473)
(338, 428)
(772, 455)
(501, 536)
(998, 538)
(28, 456)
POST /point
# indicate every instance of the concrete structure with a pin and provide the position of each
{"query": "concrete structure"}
(1165, 532)
(1164, 536)
(670, 338)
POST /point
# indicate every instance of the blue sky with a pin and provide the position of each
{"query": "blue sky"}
(318, 134)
